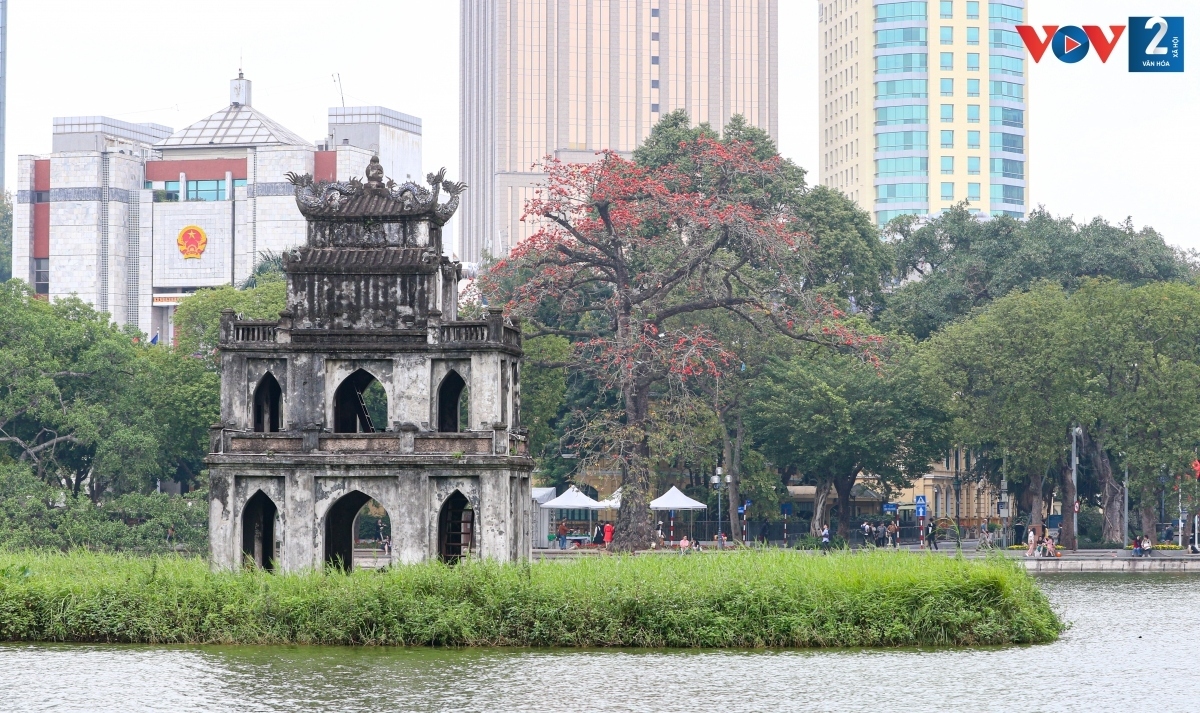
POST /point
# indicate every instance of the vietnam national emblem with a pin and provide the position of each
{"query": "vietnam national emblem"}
(192, 240)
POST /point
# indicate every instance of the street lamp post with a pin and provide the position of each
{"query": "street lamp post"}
(716, 483)
(1075, 434)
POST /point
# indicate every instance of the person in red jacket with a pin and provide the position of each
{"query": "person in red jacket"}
(608, 530)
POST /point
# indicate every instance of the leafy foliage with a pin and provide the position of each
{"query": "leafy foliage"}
(198, 318)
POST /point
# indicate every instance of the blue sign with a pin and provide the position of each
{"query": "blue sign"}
(785, 508)
(672, 514)
(920, 510)
(890, 507)
(741, 510)
(1156, 44)
(919, 500)
(747, 503)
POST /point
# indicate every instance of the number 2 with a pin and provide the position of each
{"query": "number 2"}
(1153, 47)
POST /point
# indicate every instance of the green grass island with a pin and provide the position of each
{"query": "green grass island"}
(748, 599)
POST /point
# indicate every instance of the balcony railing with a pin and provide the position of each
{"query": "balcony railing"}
(254, 331)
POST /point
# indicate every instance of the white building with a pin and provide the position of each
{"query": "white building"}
(134, 217)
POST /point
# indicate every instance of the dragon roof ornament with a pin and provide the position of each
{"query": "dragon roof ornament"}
(378, 198)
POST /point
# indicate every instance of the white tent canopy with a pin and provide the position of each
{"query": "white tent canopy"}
(574, 499)
(674, 499)
(612, 501)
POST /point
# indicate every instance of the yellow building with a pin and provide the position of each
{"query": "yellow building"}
(572, 77)
(924, 105)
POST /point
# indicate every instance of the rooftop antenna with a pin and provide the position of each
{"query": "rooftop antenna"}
(337, 79)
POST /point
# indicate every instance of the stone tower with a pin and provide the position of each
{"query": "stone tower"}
(303, 443)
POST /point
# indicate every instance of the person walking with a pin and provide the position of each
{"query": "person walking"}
(608, 534)
(825, 538)
(1032, 538)
(866, 533)
(932, 534)
(562, 535)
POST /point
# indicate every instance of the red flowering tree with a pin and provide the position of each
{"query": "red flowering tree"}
(627, 260)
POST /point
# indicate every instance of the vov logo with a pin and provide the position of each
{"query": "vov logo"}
(1155, 43)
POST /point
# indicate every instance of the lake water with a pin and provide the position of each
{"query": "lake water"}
(1130, 647)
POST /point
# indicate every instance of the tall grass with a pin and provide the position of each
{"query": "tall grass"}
(751, 599)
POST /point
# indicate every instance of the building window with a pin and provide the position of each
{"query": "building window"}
(972, 113)
(902, 89)
(1008, 168)
(898, 11)
(947, 9)
(972, 87)
(1001, 13)
(908, 114)
(972, 35)
(902, 37)
(1008, 194)
(972, 61)
(1001, 64)
(41, 275)
(168, 194)
(654, 37)
(41, 196)
(654, 84)
(902, 141)
(239, 182)
(654, 108)
(1007, 91)
(972, 139)
(205, 190)
(947, 61)
(654, 12)
(972, 9)
(1010, 143)
(947, 139)
(1005, 40)
(947, 165)
(882, 217)
(948, 191)
(1004, 116)
(902, 166)
(891, 63)
(972, 165)
(947, 35)
(654, 59)
(947, 113)
(902, 193)
(148, 185)
(947, 87)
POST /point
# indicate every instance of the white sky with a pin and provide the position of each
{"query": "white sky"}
(1103, 141)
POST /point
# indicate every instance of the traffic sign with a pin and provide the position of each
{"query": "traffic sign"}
(1002, 508)
(890, 507)
(741, 510)
(920, 500)
(920, 509)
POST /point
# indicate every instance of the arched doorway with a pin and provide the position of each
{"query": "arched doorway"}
(456, 528)
(358, 533)
(452, 404)
(359, 405)
(258, 531)
(267, 402)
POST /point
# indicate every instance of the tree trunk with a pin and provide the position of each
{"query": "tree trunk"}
(1112, 491)
(844, 485)
(634, 530)
(820, 506)
(1147, 509)
(1067, 537)
(731, 467)
(1036, 480)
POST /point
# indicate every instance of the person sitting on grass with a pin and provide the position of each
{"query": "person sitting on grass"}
(684, 544)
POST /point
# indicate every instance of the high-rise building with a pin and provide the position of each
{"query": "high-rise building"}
(571, 77)
(3, 83)
(924, 105)
(132, 218)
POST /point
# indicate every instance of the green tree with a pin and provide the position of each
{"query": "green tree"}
(543, 389)
(1012, 385)
(956, 262)
(835, 417)
(6, 237)
(198, 317)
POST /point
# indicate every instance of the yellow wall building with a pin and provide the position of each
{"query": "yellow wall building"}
(924, 105)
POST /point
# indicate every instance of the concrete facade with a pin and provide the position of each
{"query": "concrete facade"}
(573, 77)
(371, 300)
(101, 215)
